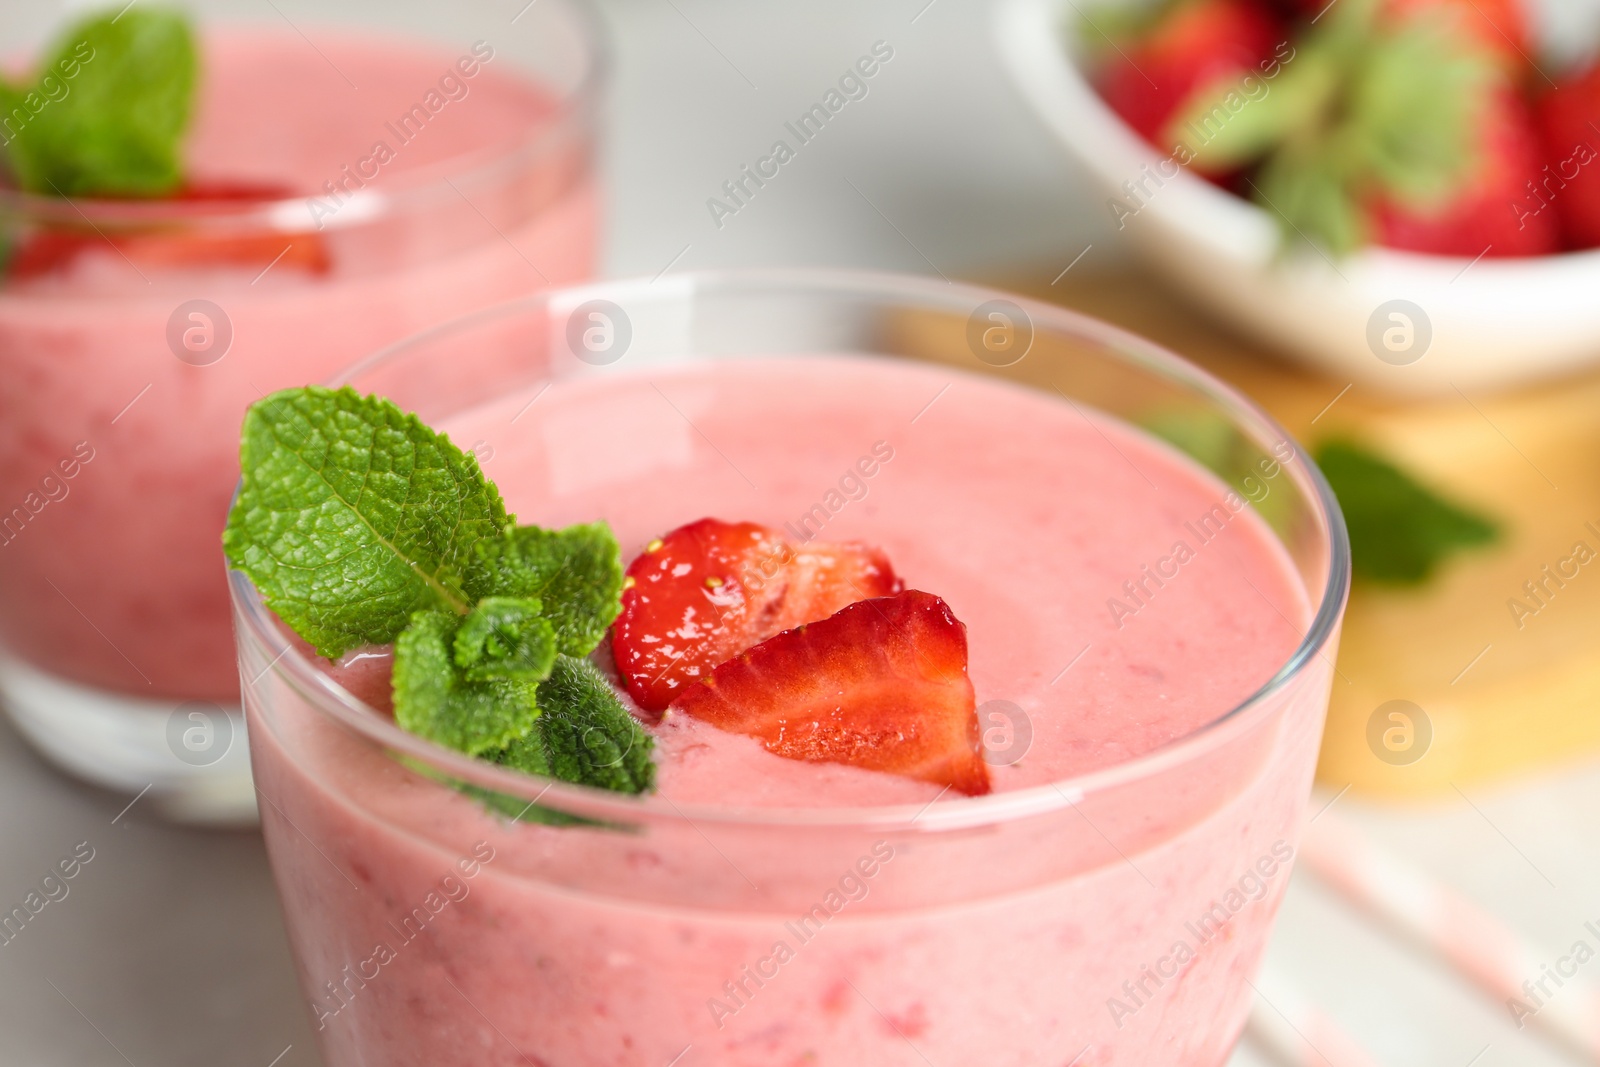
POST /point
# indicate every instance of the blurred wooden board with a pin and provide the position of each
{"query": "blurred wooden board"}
(1502, 694)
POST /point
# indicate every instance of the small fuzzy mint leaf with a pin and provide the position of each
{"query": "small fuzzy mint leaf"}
(433, 700)
(107, 113)
(352, 515)
(584, 734)
(1400, 531)
(505, 638)
(576, 573)
(529, 811)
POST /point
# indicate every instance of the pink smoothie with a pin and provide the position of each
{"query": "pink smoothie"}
(1103, 923)
(117, 459)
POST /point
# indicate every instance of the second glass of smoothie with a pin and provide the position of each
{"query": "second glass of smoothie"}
(423, 174)
(1151, 575)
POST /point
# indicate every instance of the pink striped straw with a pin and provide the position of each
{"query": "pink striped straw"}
(1476, 944)
(1295, 1032)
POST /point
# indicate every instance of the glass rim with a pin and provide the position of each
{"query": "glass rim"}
(292, 214)
(941, 813)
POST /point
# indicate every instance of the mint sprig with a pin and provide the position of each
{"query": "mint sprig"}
(106, 110)
(1401, 532)
(361, 525)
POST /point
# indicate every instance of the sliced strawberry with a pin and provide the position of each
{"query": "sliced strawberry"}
(1490, 212)
(881, 684)
(1569, 120)
(300, 251)
(48, 250)
(231, 190)
(709, 590)
(1193, 47)
(44, 251)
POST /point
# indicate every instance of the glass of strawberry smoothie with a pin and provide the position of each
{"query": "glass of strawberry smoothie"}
(1151, 576)
(357, 183)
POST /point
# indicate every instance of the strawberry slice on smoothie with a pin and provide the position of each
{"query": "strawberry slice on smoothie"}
(49, 250)
(707, 591)
(881, 684)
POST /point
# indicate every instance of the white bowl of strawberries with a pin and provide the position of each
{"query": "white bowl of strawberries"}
(1390, 190)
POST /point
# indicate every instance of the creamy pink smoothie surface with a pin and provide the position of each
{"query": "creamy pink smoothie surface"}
(117, 458)
(1023, 515)
(1112, 925)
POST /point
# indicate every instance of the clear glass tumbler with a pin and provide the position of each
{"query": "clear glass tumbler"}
(429, 161)
(1112, 918)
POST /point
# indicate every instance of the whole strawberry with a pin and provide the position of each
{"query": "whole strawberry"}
(1496, 26)
(1192, 48)
(1398, 123)
(1486, 215)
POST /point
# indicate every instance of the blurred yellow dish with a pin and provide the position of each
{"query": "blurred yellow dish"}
(1491, 668)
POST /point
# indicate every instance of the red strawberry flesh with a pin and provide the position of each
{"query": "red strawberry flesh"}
(709, 590)
(882, 685)
(1193, 48)
(1485, 217)
(1569, 119)
(181, 245)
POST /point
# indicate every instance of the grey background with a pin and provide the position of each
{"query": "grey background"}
(169, 949)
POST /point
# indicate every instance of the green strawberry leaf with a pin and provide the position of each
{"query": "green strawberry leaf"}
(585, 734)
(1400, 531)
(505, 638)
(1372, 107)
(1235, 123)
(107, 114)
(434, 699)
(575, 572)
(1110, 25)
(1307, 189)
(352, 515)
(1415, 111)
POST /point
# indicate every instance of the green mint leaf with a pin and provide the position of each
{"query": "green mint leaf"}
(359, 525)
(433, 698)
(1400, 532)
(107, 111)
(520, 810)
(505, 638)
(352, 515)
(576, 573)
(584, 734)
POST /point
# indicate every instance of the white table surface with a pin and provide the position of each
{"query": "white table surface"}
(169, 949)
